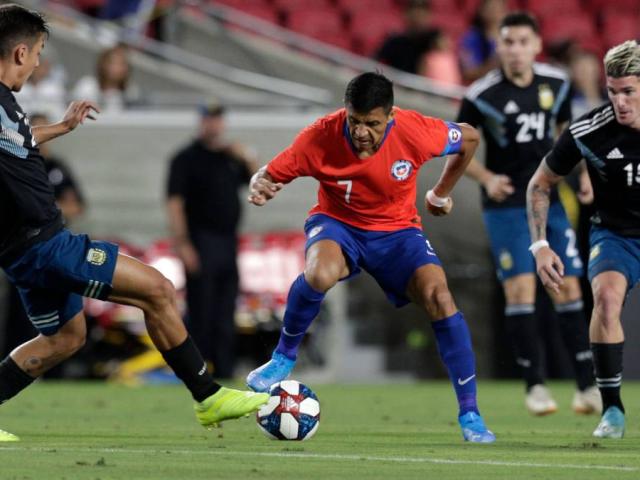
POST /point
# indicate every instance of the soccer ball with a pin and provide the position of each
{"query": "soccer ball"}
(292, 412)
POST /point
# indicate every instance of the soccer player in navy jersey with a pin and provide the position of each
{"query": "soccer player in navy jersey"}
(608, 139)
(53, 269)
(520, 108)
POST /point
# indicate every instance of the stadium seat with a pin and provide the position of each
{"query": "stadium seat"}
(469, 7)
(287, 6)
(317, 23)
(619, 6)
(370, 29)
(617, 28)
(563, 27)
(353, 9)
(452, 24)
(543, 8)
(368, 44)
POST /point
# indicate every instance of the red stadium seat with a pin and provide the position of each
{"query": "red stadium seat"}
(354, 8)
(287, 6)
(618, 6)
(619, 28)
(563, 27)
(316, 22)
(453, 24)
(370, 29)
(372, 23)
(368, 45)
(543, 8)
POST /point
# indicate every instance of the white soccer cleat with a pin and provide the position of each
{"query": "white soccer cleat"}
(587, 401)
(539, 401)
(611, 425)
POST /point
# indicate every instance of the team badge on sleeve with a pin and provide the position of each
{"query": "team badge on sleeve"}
(401, 169)
(454, 139)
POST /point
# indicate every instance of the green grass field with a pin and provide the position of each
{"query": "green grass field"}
(98, 431)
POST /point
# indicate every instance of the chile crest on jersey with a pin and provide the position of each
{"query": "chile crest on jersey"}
(401, 169)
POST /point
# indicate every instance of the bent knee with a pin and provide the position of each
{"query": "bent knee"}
(160, 291)
(608, 305)
(438, 301)
(322, 278)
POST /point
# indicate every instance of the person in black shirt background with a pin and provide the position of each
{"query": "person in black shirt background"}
(404, 50)
(204, 211)
(521, 107)
(608, 138)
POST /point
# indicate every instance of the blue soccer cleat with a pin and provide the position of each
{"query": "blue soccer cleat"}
(474, 430)
(611, 425)
(274, 371)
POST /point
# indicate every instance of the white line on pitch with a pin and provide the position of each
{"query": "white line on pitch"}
(322, 456)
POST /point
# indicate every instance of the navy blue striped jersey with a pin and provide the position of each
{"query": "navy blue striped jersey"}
(28, 212)
(612, 153)
(518, 123)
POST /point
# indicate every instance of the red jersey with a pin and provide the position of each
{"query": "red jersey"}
(376, 193)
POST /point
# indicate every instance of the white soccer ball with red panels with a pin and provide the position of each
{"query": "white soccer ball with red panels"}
(292, 412)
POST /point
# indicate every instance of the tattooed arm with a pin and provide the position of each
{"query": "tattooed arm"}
(548, 264)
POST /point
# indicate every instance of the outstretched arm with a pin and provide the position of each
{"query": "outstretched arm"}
(262, 188)
(548, 264)
(76, 114)
(438, 201)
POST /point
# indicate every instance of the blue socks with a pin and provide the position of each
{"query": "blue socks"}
(303, 305)
(454, 345)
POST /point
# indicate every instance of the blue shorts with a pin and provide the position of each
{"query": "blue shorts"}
(391, 258)
(613, 252)
(53, 276)
(510, 240)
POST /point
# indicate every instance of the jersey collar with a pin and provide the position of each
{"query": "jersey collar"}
(347, 135)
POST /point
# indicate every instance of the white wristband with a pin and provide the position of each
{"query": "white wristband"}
(435, 200)
(535, 246)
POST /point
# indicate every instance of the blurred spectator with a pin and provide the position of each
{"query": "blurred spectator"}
(440, 62)
(584, 68)
(111, 87)
(404, 50)
(204, 211)
(133, 15)
(478, 45)
(118, 9)
(45, 90)
(17, 328)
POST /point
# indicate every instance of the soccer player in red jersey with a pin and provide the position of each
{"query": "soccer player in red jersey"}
(366, 157)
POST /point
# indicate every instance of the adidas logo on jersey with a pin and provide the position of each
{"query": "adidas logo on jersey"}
(615, 154)
(511, 107)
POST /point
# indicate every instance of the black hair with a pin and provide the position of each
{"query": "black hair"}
(520, 19)
(369, 91)
(18, 24)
